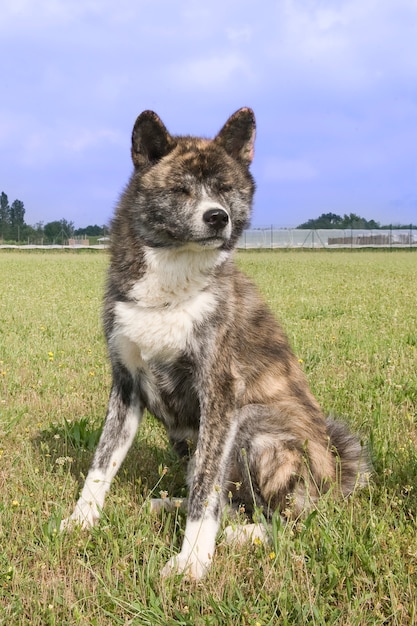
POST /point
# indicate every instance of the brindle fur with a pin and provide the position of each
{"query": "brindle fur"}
(191, 340)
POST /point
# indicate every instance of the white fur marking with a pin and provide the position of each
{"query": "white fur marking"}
(128, 352)
(200, 535)
(169, 299)
(168, 504)
(244, 533)
(87, 510)
(90, 503)
(197, 550)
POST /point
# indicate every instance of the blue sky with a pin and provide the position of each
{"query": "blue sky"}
(333, 85)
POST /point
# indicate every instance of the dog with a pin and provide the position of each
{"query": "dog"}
(191, 340)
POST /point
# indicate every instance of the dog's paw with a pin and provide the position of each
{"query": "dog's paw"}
(190, 566)
(167, 504)
(85, 515)
(245, 533)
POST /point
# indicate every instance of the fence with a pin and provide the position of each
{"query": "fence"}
(328, 238)
(292, 238)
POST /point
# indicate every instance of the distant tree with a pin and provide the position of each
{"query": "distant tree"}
(67, 227)
(33, 234)
(39, 231)
(28, 234)
(399, 226)
(58, 231)
(4, 216)
(355, 221)
(90, 231)
(352, 221)
(52, 231)
(17, 220)
(331, 220)
(17, 213)
(325, 220)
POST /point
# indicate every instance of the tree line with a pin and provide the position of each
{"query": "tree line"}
(332, 220)
(13, 228)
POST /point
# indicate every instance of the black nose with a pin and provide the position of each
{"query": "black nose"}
(216, 218)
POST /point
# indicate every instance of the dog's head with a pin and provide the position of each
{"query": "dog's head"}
(190, 191)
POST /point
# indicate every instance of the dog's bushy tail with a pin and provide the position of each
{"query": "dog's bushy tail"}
(352, 457)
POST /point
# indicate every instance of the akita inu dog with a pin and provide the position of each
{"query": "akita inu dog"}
(190, 339)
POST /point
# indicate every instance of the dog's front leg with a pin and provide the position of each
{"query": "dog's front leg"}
(215, 442)
(123, 415)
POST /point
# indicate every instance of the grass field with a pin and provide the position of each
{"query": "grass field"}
(352, 319)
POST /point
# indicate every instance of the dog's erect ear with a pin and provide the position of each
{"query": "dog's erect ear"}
(237, 136)
(150, 139)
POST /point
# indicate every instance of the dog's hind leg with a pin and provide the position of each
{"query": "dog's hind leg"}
(285, 457)
(123, 416)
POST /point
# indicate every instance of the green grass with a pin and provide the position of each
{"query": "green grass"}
(351, 318)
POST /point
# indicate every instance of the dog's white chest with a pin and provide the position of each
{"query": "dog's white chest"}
(162, 332)
(167, 304)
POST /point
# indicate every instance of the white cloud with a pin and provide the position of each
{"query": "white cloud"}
(83, 139)
(20, 14)
(44, 12)
(40, 145)
(211, 72)
(242, 35)
(345, 45)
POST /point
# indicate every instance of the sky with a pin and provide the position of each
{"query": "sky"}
(333, 84)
